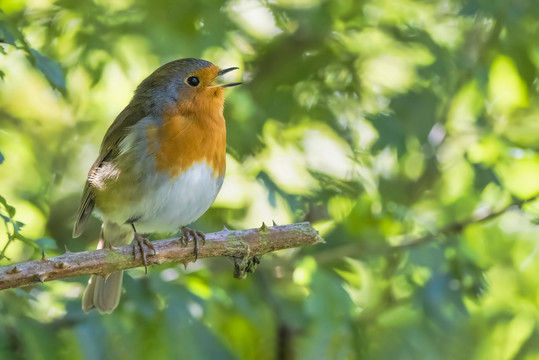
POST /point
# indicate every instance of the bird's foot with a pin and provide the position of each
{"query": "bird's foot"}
(140, 242)
(190, 234)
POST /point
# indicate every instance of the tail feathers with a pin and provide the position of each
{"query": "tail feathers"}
(103, 294)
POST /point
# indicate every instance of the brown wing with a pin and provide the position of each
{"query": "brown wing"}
(108, 152)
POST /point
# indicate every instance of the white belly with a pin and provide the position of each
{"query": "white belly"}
(162, 204)
(168, 204)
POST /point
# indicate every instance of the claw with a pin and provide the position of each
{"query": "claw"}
(197, 236)
(142, 240)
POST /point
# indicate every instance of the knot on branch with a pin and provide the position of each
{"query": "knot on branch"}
(245, 265)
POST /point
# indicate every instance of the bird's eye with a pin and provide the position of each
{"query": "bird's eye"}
(193, 81)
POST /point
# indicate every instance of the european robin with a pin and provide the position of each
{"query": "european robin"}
(160, 166)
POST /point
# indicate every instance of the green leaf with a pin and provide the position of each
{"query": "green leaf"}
(46, 243)
(50, 68)
(329, 307)
(6, 35)
(391, 133)
(10, 209)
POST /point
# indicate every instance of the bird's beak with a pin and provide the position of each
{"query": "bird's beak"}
(225, 71)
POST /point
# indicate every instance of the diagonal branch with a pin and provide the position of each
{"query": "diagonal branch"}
(244, 246)
(410, 241)
(459, 226)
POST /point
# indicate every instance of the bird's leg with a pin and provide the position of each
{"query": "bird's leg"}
(196, 236)
(140, 241)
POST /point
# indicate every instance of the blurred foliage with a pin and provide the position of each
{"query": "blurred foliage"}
(392, 126)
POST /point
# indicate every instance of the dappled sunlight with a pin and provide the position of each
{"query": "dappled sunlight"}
(406, 132)
(255, 18)
(506, 89)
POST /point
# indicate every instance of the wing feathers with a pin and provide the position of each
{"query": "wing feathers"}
(108, 152)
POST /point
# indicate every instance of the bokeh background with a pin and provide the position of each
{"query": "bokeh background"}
(406, 131)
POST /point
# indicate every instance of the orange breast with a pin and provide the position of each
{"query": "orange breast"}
(189, 137)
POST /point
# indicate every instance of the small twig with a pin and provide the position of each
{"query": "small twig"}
(241, 244)
(9, 239)
(4, 249)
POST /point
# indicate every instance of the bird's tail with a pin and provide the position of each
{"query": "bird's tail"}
(103, 293)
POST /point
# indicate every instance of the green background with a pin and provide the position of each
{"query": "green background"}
(406, 131)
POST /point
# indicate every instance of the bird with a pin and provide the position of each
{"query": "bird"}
(161, 165)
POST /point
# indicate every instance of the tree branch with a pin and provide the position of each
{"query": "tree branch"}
(459, 226)
(244, 246)
(410, 241)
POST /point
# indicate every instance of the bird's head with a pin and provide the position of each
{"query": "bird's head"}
(189, 86)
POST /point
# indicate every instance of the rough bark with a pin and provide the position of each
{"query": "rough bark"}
(244, 246)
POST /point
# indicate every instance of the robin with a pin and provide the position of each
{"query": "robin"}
(160, 166)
